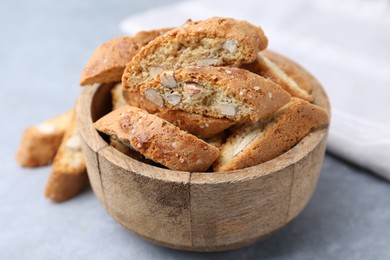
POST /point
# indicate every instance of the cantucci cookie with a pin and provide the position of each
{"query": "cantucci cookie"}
(218, 92)
(252, 144)
(198, 125)
(109, 60)
(267, 68)
(302, 77)
(40, 143)
(212, 42)
(68, 175)
(158, 139)
(119, 101)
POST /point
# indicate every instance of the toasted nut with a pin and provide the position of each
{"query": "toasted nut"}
(192, 89)
(74, 143)
(153, 96)
(46, 128)
(174, 99)
(230, 45)
(227, 109)
(208, 62)
(167, 79)
(244, 142)
(155, 70)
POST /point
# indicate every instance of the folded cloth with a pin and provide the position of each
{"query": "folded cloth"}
(345, 44)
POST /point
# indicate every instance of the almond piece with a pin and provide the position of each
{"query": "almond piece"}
(244, 142)
(167, 79)
(154, 96)
(174, 99)
(46, 128)
(207, 62)
(230, 45)
(192, 89)
(74, 143)
(125, 123)
(228, 109)
(155, 70)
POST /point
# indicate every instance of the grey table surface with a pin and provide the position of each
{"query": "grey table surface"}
(44, 46)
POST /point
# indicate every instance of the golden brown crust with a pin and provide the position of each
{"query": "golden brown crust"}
(60, 187)
(270, 139)
(304, 79)
(158, 140)
(267, 68)
(39, 144)
(215, 41)
(119, 101)
(109, 60)
(222, 92)
(68, 175)
(198, 125)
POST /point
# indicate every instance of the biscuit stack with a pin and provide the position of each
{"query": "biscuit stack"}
(205, 96)
(204, 81)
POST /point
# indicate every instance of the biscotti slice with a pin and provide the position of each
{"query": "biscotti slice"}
(268, 69)
(157, 139)
(218, 92)
(109, 60)
(198, 125)
(301, 76)
(117, 97)
(252, 144)
(68, 175)
(119, 101)
(212, 42)
(39, 144)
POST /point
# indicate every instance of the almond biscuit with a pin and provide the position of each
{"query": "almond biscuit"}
(68, 176)
(218, 92)
(212, 42)
(109, 60)
(198, 125)
(267, 68)
(158, 140)
(40, 143)
(255, 143)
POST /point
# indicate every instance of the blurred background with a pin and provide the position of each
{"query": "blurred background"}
(345, 44)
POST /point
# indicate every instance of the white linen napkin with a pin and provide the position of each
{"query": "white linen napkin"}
(345, 44)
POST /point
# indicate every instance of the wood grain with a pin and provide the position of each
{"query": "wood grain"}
(199, 211)
(146, 200)
(91, 141)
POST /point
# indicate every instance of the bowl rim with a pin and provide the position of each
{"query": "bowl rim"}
(94, 140)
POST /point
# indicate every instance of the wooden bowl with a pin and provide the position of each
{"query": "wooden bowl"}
(198, 211)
